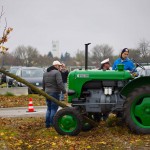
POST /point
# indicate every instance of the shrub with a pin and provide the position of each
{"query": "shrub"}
(9, 94)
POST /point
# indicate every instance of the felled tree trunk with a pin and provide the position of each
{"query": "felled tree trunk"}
(41, 92)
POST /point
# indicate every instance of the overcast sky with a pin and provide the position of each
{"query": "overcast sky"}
(118, 23)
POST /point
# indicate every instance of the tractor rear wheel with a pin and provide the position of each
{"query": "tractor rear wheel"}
(137, 110)
(68, 121)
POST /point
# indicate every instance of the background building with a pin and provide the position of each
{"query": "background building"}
(55, 49)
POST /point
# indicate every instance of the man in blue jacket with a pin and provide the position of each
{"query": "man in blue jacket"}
(128, 64)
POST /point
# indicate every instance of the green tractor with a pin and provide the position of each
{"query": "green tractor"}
(96, 93)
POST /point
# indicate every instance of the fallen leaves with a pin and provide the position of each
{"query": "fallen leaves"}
(30, 133)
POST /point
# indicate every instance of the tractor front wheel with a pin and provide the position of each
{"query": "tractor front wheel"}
(137, 110)
(68, 121)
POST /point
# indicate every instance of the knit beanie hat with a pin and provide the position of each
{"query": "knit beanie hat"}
(124, 50)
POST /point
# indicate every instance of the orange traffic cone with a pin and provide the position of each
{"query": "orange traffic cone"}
(30, 106)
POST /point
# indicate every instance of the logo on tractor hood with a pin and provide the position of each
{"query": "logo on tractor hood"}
(82, 75)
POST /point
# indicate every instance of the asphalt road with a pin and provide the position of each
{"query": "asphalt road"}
(22, 112)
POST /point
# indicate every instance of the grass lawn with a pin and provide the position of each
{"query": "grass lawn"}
(30, 133)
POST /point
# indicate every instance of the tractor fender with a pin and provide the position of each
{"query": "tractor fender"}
(135, 83)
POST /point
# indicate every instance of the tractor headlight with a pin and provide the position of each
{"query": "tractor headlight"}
(71, 92)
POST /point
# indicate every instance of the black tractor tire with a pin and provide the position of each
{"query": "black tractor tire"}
(132, 119)
(71, 126)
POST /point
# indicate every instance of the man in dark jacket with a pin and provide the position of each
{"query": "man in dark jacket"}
(52, 85)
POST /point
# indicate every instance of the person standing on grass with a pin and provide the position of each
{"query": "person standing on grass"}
(52, 85)
(64, 74)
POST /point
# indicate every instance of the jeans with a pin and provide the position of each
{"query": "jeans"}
(51, 109)
(61, 96)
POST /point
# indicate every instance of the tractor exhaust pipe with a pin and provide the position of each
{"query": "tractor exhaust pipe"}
(86, 55)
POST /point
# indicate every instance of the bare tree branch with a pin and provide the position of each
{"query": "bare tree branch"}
(5, 27)
(5, 34)
(2, 13)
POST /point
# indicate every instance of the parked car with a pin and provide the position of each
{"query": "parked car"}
(33, 75)
(3, 78)
(144, 72)
(10, 80)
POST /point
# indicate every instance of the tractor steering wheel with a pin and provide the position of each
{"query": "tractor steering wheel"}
(137, 64)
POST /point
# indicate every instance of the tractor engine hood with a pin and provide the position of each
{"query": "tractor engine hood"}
(100, 75)
(78, 78)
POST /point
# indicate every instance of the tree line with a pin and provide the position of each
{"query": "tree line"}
(30, 56)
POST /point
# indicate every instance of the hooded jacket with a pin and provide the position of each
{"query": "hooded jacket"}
(52, 81)
(128, 64)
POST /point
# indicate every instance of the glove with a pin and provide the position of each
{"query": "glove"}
(134, 74)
